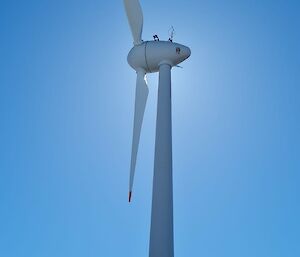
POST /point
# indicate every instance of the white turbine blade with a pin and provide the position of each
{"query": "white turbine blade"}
(141, 95)
(135, 19)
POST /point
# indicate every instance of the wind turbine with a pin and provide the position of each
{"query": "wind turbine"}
(147, 57)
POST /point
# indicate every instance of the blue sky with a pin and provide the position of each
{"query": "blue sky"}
(67, 96)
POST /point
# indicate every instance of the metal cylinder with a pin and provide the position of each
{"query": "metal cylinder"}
(161, 231)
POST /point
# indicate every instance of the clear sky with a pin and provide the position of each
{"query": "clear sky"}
(66, 105)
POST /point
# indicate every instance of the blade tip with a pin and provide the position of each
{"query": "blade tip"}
(129, 196)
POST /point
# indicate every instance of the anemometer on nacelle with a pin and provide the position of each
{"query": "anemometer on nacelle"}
(171, 34)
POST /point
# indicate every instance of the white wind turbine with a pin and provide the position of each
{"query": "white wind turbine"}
(147, 57)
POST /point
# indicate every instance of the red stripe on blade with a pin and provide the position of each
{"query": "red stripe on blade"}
(129, 198)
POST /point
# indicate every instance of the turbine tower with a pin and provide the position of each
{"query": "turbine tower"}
(148, 57)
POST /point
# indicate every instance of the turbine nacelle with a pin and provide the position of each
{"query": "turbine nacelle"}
(149, 55)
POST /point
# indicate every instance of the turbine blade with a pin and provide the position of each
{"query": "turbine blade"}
(141, 95)
(135, 18)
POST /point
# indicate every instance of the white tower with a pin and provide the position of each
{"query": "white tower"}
(147, 57)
